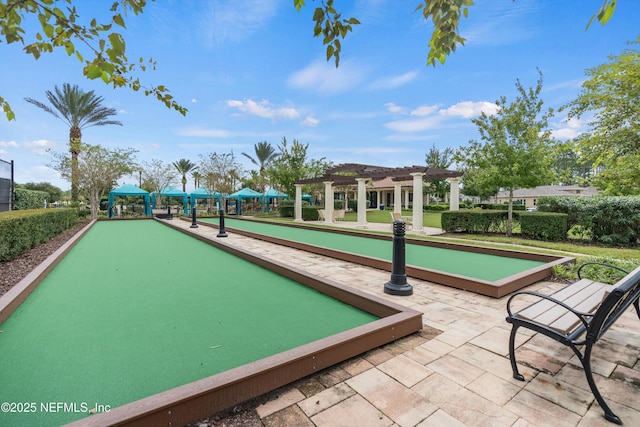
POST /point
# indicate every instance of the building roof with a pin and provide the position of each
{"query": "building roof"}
(551, 190)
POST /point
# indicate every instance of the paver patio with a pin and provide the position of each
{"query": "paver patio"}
(456, 372)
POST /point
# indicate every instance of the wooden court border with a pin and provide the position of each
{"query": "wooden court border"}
(496, 289)
(205, 397)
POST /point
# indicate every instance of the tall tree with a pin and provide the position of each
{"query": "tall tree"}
(197, 177)
(612, 95)
(79, 110)
(264, 155)
(157, 176)
(184, 166)
(439, 159)
(517, 149)
(97, 170)
(292, 165)
(220, 172)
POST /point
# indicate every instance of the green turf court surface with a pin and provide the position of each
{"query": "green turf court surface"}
(137, 308)
(475, 265)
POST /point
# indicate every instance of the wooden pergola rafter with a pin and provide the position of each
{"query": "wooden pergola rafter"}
(377, 172)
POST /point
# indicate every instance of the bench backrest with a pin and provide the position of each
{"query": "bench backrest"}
(621, 296)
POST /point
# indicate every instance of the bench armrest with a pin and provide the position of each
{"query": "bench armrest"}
(602, 264)
(579, 314)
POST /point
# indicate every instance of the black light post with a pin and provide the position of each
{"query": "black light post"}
(169, 216)
(222, 232)
(398, 284)
(193, 218)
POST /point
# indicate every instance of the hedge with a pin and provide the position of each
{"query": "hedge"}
(29, 199)
(475, 221)
(603, 219)
(22, 230)
(543, 225)
(535, 225)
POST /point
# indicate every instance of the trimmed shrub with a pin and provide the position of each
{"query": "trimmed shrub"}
(436, 207)
(475, 221)
(543, 225)
(603, 219)
(29, 199)
(501, 206)
(22, 230)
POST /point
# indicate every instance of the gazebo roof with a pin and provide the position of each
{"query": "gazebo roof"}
(356, 170)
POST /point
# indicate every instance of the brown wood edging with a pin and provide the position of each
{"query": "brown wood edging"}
(213, 394)
(496, 289)
(10, 301)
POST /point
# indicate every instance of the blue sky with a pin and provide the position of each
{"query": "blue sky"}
(251, 71)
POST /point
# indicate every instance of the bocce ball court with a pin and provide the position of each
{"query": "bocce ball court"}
(164, 328)
(487, 271)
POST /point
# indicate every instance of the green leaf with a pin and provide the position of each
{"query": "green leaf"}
(92, 71)
(117, 43)
(298, 4)
(69, 48)
(118, 20)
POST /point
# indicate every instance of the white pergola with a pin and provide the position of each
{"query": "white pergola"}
(358, 174)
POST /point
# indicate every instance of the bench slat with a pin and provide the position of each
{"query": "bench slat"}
(569, 321)
(585, 297)
(541, 306)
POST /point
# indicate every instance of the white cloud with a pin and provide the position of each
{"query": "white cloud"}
(468, 109)
(39, 147)
(12, 144)
(310, 121)
(395, 81)
(324, 78)
(568, 129)
(205, 133)
(395, 109)
(264, 109)
(193, 100)
(414, 125)
(424, 110)
(235, 21)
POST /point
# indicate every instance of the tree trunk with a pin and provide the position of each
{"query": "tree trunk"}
(510, 214)
(75, 146)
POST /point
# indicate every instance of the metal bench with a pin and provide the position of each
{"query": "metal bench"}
(577, 316)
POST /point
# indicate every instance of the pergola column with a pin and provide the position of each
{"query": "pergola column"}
(379, 199)
(297, 209)
(362, 203)
(397, 198)
(455, 194)
(328, 202)
(417, 202)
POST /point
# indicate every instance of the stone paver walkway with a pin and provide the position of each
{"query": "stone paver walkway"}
(456, 372)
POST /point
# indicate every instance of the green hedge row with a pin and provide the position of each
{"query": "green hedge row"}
(29, 199)
(603, 219)
(309, 213)
(501, 206)
(543, 225)
(535, 225)
(22, 230)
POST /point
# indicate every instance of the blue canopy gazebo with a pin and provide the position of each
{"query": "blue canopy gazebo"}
(204, 193)
(171, 192)
(245, 193)
(273, 194)
(128, 190)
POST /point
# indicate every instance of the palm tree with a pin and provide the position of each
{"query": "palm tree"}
(79, 110)
(265, 154)
(184, 166)
(197, 177)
